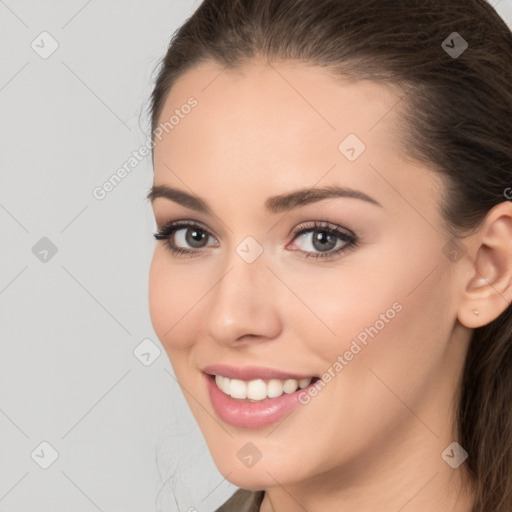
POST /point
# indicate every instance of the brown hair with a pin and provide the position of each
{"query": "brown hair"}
(456, 119)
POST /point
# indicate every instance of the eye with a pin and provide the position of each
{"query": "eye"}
(324, 237)
(182, 233)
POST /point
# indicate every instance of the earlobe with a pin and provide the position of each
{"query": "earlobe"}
(488, 291)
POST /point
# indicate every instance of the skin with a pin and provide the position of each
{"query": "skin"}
(372, 438)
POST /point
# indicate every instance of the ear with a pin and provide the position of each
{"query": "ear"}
(487, 273)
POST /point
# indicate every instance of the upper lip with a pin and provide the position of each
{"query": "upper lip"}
(248, 373)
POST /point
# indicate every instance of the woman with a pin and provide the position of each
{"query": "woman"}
(333, 271)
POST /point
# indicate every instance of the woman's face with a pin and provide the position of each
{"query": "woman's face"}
(375, 321)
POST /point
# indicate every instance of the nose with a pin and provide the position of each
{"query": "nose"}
(244, 303)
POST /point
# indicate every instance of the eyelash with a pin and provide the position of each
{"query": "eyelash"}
(166, 232)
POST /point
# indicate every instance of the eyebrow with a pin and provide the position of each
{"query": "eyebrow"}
(275, 204)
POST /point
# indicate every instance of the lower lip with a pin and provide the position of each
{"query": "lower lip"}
(241, 413)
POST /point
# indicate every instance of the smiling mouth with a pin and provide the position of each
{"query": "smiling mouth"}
(259, 389)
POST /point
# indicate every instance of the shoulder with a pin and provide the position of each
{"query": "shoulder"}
(243, 501)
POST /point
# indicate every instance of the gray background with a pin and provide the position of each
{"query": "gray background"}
(70, 321)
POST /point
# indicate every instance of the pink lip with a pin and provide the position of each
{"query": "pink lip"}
(248, 373)
(245, 414)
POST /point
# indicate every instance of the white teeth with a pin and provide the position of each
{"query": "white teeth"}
(290, 386)
(226, 385)
(238, 388)
(258, 389)
(222, 383)
(274, 388)
(303, 383)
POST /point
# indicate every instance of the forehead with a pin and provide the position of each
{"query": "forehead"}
(274, 97)
(259, 104)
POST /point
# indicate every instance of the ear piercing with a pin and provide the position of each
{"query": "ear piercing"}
(476, 312)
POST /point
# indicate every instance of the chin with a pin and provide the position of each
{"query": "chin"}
(262, 475)
(250, 479)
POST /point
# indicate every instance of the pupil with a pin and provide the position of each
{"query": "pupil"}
(194, 237)
(323, 237)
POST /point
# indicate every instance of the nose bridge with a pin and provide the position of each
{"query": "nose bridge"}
(241, 301)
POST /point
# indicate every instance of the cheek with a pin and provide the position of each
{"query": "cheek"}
(393, 322)
(343, 304)
(167, 296)
(175, 292)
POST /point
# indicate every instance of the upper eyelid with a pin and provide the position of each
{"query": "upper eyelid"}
(328, 226)
(182, 224)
